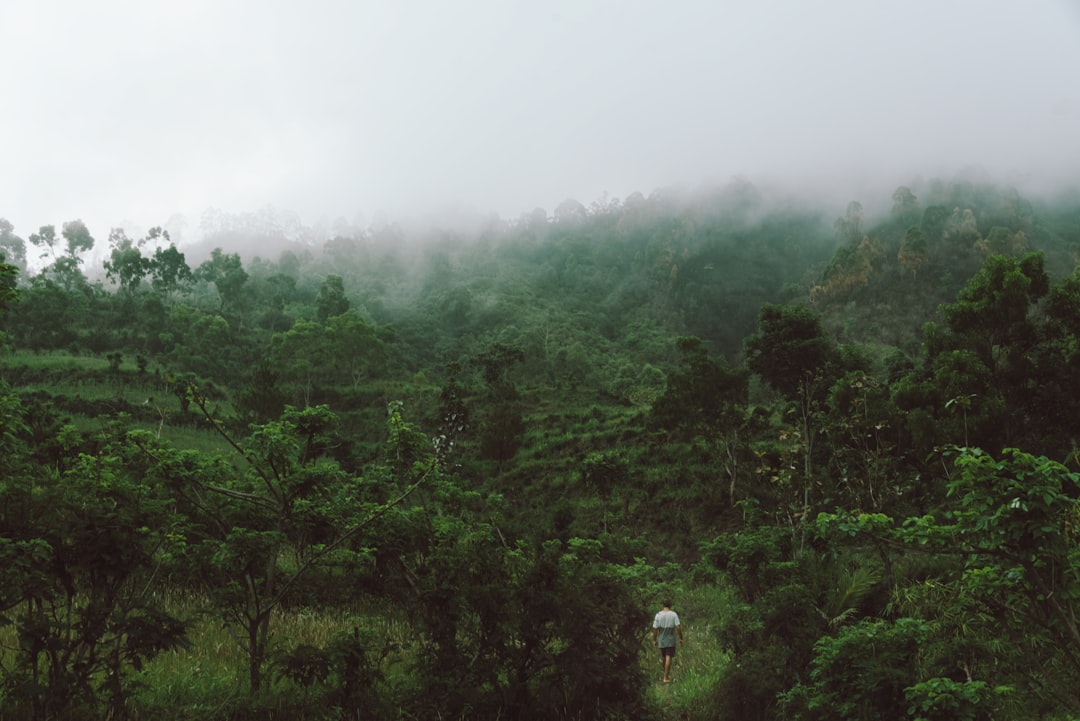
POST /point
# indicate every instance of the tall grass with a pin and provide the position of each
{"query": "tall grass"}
(698, 665)
(208, 680)
(88, 394)
(63, 360)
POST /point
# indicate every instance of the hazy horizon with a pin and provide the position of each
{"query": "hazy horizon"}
(124, 113)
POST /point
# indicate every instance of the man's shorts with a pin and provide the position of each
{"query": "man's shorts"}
(668, 651)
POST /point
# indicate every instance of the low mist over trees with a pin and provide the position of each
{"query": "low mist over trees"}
(452, 471)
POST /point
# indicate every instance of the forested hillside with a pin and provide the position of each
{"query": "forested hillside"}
(451, 472)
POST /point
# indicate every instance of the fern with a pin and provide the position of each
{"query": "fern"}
(851, 589)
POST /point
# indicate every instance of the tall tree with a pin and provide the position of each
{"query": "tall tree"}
(126, 264)
(168, 270)
(282, 496)
(65, 269)
(500, 421)
(1002, 607)
(710, 399)
(991, 314)
(45, 240)
(78, 239)
(356, 347)
(905, 207)
(331, 300)
(226, 272)
(789, 348)
(913, 254)
(83, 548)
(791, 353)
(12, 246)
(849, 228)
(8, 295)
(303, 357)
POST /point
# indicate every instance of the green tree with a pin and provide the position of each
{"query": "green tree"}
(994, 372)
(169, 271)
(859, 425)
(261, 401)
(933, 223)
(497, 361)
(792, 354)
(703, 394)
(272, 518)
(453, 420)
(1014, 526)
(905, 207)
(82, 548)
(1063, 307)
(789, 349)
(303, 356)
(357, 348)
(78, 238)
(862, 672)
(849, 228)
(12, 246)
(126, 264)
(331, 300)
(209, 344)
(991, 313)
(913, 254)
(1051, 408)
(851, 269)
(65, 268)
(66, 272)
(1003, 241)
(1003, 605)
(8, 295)
(45, 240)
(771, 623)
(508, 649)
(274, 293)
(500, 421)
(710, 399)
(226, 272)
(47, 315)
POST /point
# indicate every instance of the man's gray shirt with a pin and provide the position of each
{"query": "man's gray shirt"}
(665, 622)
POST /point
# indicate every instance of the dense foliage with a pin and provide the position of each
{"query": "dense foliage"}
(481, 458)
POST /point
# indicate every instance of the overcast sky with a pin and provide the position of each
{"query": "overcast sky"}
(128, 111)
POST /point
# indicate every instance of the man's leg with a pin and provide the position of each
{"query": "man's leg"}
(667, 664)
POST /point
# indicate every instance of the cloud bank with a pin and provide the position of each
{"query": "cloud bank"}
(124, 113)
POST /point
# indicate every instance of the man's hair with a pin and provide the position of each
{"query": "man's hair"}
(667, 604)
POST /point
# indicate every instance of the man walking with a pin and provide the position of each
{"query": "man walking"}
(664, 629)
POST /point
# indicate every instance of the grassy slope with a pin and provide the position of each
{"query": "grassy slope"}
(87, 394)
